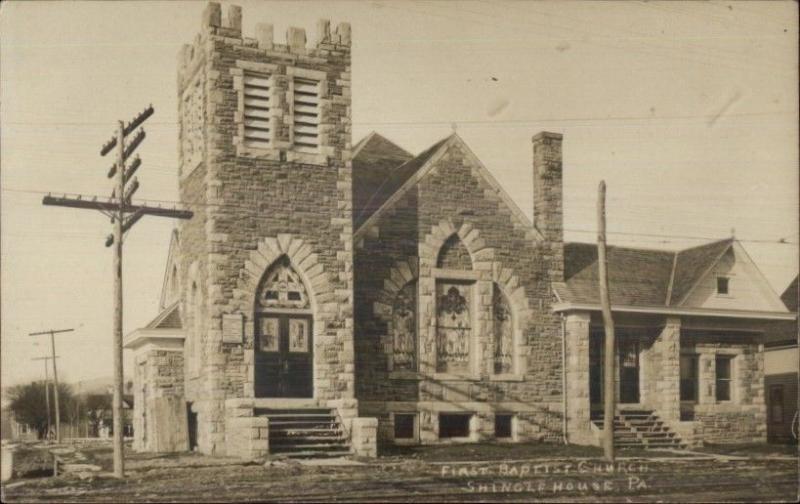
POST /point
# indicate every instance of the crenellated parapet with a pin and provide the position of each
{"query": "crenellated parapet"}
(229, 28)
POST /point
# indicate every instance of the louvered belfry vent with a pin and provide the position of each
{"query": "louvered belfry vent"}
(306, 115)
(257, 94)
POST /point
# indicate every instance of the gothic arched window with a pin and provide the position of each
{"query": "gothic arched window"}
(404, 328)
(503, 333)
(282, 288)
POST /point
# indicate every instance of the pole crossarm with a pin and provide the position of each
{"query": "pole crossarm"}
(107, 206)
(142, 117)
(54, 331)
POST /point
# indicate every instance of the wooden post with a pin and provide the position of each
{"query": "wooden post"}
(608, 323)
(55, 385)
(119, 469)
(47, 397)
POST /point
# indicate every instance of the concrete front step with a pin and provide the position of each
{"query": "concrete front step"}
(306, 433)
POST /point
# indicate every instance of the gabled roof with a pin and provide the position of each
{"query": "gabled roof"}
(790, 296)
(169, 318)
(651, 279)
(376, 174)
(636, 276)
(407, 175)
(691, 264)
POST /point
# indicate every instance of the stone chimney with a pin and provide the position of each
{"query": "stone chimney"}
(548, 213)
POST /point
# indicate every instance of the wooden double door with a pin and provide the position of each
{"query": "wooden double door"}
(284, 359)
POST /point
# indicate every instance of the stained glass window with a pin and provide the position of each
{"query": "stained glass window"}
(404, 328)
(453, 326)
(282, 288)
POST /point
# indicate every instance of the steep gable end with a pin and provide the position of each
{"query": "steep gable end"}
(690, 266)
(416, 169)
(733, 282)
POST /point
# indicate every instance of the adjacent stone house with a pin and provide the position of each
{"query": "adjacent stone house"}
(329, 295)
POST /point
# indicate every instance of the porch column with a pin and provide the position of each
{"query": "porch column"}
(577, 375)
(667, 348)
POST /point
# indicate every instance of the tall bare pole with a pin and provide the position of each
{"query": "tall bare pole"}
(52, 333)
(608, 323)
(119, 461)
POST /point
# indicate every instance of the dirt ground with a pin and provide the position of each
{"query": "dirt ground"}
(488, 473)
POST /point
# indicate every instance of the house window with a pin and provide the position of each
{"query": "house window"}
(503, 426)
(689, 373)
(722, 285)
(723, 377)
(306, 115)
(405, 426)
(454, 425)
(257, 102)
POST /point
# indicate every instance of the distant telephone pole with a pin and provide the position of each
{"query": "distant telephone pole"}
(46, 391)
(52, 333)
(123, 216)
(608, 323)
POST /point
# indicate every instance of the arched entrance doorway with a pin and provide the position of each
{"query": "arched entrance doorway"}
(284, 361)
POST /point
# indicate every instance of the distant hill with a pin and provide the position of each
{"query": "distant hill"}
(101, 385)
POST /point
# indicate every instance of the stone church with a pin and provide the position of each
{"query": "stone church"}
(331, 296)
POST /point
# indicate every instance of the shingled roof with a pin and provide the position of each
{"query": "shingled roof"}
(637, 277)
(691, 264)
(376, 174)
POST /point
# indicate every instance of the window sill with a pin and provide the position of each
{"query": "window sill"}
(510, 377)
(455, 377)
(404, 375)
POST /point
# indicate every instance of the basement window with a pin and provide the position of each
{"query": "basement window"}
(723, 285)
(503, 426)
(454, 425)
(404, 426)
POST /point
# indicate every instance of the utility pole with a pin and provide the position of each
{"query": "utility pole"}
(123, 215)
(608, 323)
(52, 333)
(46, 390)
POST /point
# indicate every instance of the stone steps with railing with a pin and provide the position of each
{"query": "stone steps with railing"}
(640, 429)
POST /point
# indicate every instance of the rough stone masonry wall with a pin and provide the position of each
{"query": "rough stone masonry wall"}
(744, 418)
(455, 194)
(249, 197)
(158, 401)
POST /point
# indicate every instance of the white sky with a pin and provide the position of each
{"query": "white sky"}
(688, 110)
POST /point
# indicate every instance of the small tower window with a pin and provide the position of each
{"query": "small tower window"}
(722, 285)
(306, 115)
(257, 94)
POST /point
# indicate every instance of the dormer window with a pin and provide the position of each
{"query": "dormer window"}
(722, 285)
